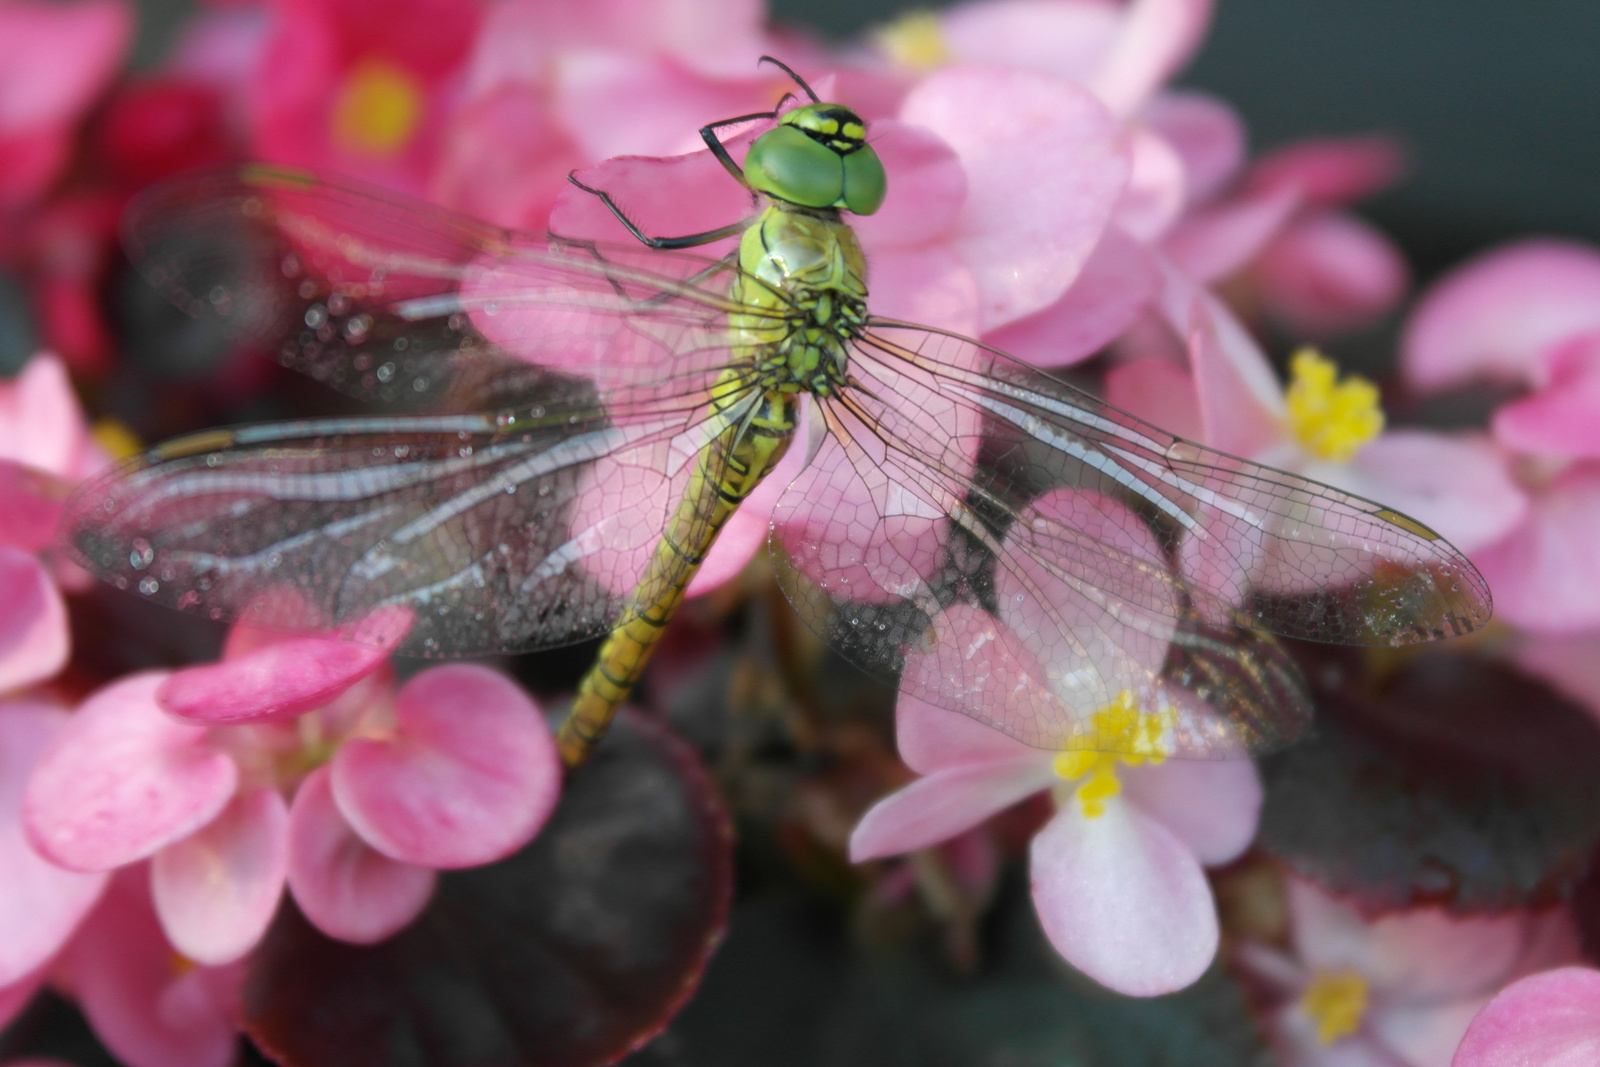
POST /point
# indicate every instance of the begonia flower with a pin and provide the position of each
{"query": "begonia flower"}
(1396, 991)
(1550, 1019)
(294, 762)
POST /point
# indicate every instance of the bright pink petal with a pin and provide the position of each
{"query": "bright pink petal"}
(944, 804)
(469, 776)
(1331, 272)
(30, 506)
(1045, 164)
(1212, 806)
(1545, 572)
(55, 58)
(34, 639)
(1459, 485)
(504, 160)
(348, 889)
(217, 889)
(1546, 1020)
(1331, 171)
(1156, 39)
(1419, 956)
(1117, 283)
(1207, 134)
(1498, 315)
(1068, 38)
(40, 903)
(1123, 899)
(147, 1005)
(1563, 418)
(663, 196)
(1159, 392)
(124, 780)
(15, 997)
(1217, 241)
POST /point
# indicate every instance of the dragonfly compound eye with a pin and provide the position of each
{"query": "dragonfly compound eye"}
(818, 157)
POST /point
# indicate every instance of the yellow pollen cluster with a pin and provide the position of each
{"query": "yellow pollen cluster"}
(1134, 737)
(1331, 419)
(915, 41)
(378, 109)
(1335, 1001)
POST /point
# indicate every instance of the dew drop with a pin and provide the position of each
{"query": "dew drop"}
(140, 554)
(316, 316)
(148, 585)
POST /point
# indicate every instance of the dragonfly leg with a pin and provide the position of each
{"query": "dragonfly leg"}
(686, 241)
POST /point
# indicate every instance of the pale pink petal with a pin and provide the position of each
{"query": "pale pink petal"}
(1422, 1033)
(1156, 39)
(944, 804)
(277, 681)
(217, 889)
(41, 424)
(1068, 38)
(1546, 1020)
(927, 188)
(1331, 272)
(1217, 241)
(1563, 418)
(55, 58)
(504, 160)
(1045, 164)
(1207, 134)
(1210, 805)
(933, 738)
(147, 1005)
(469, 776)
(1154, 196)
(347, 888)
(124, 780)
(1545, 572)
(1497, 315)
(1457, 484)
(34, 640)
(1416, 956)
(665, 197)
(1123, 899)
(1159, 392)
(40, 903)
(1241, 402)
(1570, 662)
(1331, 171)
(1117, 283)
(929, 285)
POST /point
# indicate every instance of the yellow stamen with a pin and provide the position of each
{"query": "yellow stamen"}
(1331, 419)
(114, 437)
(1335, 1001)
(378, 109)
(915, 41)
(1133, 737)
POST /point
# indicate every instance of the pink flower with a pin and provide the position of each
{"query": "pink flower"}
(1398, 990)
(1117, 873)
(1526, 315)
(293, 761)
(55, 59)
(1550, 1019)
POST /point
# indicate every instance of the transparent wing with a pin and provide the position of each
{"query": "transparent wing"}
(399, 302)
(1025, 554)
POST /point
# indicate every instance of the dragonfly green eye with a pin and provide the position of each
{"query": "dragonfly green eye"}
(818, 157)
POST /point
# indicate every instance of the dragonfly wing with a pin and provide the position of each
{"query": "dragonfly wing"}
(495, 532)
(402, 303)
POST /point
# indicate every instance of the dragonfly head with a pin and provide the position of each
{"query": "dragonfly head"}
(817, 156)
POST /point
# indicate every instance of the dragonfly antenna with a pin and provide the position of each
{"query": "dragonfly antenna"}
(781, 65)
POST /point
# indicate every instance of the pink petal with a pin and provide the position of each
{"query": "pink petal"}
(1154, 196)
(1457, 484)
(504, 160)
(1418, 956)
(1549, 1020)
(1563, 418)
(277, 681)
(348, 889)
(663, 196)
(1241, 402)
(1119, 280)
(1497, 315)
(1207, 134)
(30, 506)
(1212, 806)
(1570, 662)
(1156, 40)
(929, 285)
(123, 781)
(944, 804)
(41, 424)
(1045, 164)
(148, 1006)
(40, 903)
(933, 738)
(1422, 1033)
(1545, 572)
(1331, 272)
(469, 776)
(1068, 38)
(55, 58)
(1123, 899)
(1331, 171)
(1158, 392)
(217, 889)
(34, 639)
(15, 997)
(927, 188)
(1217, 241)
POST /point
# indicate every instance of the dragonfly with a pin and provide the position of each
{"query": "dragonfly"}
(567, 425)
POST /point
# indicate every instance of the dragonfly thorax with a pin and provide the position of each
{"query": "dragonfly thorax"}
(811, 291)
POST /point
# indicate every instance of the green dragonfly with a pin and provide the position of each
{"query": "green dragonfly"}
(563, 474)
